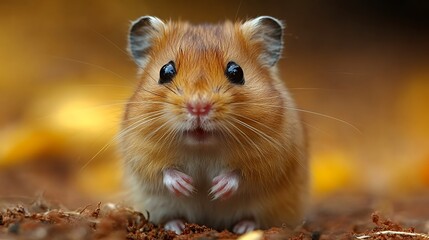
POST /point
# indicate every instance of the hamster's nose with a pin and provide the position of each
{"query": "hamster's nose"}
(199, 108)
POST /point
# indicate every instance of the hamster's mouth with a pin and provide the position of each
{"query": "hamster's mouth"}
(198, 134)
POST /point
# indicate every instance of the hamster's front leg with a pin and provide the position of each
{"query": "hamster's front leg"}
(224, 185)
(178, 182)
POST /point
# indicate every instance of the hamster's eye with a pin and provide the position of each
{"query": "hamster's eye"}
(234, 73)
(167, 73)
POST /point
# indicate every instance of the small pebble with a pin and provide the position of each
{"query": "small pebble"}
(14, 228)
(254, 235)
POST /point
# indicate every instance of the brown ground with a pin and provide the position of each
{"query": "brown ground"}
(337, 217)
(64, 212)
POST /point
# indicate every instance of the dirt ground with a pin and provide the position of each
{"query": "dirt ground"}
(343, 216)
(62, 211)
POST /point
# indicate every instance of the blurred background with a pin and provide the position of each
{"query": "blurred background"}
(361, 67)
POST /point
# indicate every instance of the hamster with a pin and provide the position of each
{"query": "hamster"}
(210, 135)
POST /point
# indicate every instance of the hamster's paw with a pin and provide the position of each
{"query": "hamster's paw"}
(178, 182)
(224, 185)
(175, 225)
(244, 227)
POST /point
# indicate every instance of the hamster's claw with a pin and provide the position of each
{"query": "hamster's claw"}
(178, 182)
(175, 225)
(244, 227)
(224, 186)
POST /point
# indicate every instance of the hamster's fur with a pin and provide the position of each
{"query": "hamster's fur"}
(251, 138)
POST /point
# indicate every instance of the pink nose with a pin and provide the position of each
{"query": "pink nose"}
(199, 108)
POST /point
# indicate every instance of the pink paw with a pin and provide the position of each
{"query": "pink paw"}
(244, 227)
(178, 182)
(224, 185)
(175, 225)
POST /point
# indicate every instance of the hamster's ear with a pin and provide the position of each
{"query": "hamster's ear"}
(268, 31)
(142, 33)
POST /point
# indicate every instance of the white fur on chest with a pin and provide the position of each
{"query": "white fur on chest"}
(199, 207)
(203, 168)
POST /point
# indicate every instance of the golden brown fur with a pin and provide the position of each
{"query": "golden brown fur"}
(259, 134)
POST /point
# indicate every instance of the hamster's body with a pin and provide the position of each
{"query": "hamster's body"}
(202, 143)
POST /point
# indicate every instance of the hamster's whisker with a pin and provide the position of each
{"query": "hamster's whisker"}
(297, 156)
(104, 105)
(263, 135)
(147, 137)
(238, 10)
(112, 43)
(156, 94)
(136, 125)
(151, 91)
(154, 79)
(233, 95)
(109, 143)
(125, 103)
(251, 101)
(229, 88)
(304, 111)
(324, 89)
(139, 123)
(230, 133)
(273, 131)
(276, 144)
(91, 65)
(143, 115)
(260, 154)
(258, 122)
(106, 146)
(163, 100)
(163, 85)
(175, 86)
(261, 99)
(248, 139)
(136, 167)
(167, 132)
(170, 89)
(176, 135)
(160, 102)
(327, 116)
(107, 85)
(173, 135)
(227, 135)
(316, 128)
(248, 103)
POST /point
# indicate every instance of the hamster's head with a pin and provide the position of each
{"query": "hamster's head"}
(205, 84)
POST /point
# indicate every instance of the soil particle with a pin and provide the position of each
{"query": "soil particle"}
(110, 221)
(195, 231)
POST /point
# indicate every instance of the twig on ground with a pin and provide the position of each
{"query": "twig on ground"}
(393, 233)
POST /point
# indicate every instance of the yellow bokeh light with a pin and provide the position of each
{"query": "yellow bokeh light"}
(331, 171)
